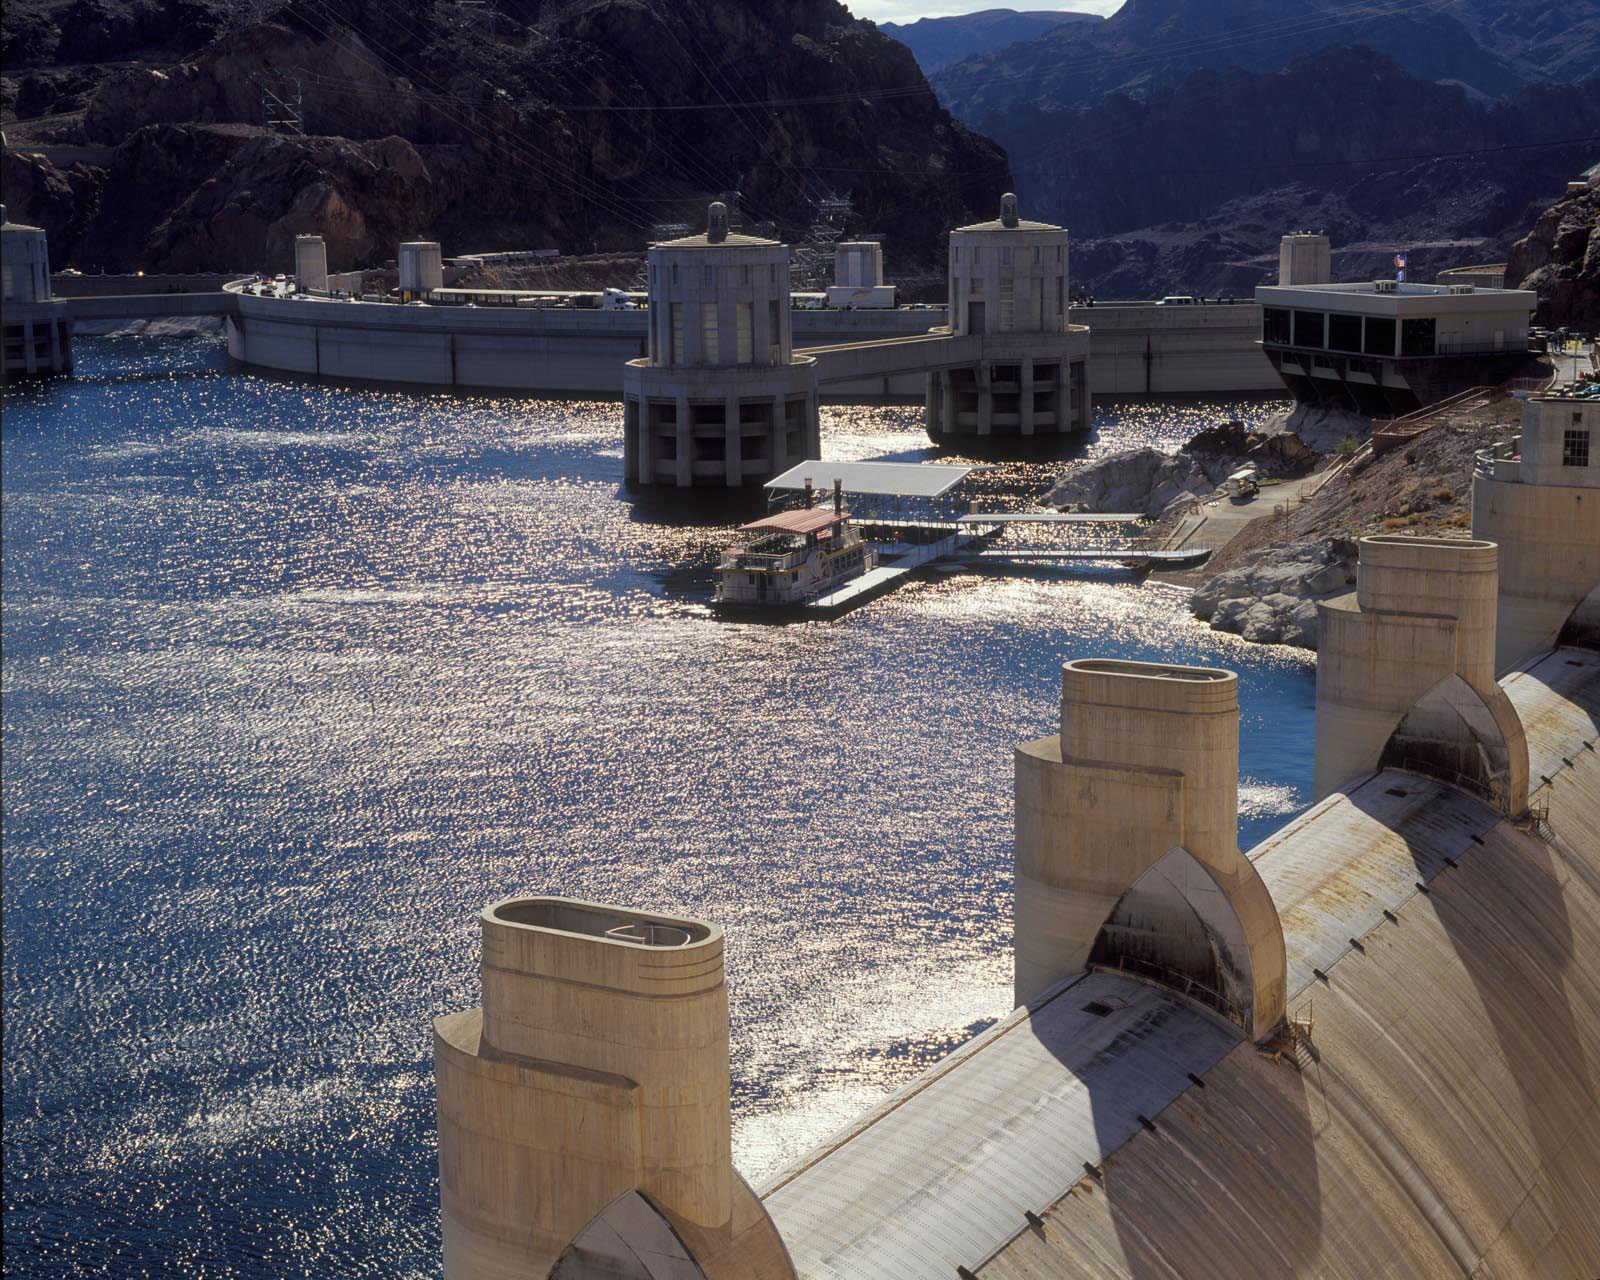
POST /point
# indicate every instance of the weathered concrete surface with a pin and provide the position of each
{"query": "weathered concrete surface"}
(1441, 1118)
(1418, 634)
(1147, 762)
(598, 1065)
(1546, 517)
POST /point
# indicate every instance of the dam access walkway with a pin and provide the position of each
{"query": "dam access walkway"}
(908, 511)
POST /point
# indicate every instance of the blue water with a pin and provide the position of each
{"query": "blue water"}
(296, 679)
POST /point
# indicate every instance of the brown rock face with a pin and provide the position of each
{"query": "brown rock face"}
(578, 130)
(1560, 260)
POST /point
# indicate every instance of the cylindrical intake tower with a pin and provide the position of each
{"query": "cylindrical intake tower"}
(1008, 299)
(719, 399)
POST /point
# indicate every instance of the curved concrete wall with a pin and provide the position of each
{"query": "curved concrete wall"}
(1423, 609)
(1146, 761)
(1549, 538)
(597, 1065)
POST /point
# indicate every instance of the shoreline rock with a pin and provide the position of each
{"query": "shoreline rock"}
(1272, 598)
(1152, 483)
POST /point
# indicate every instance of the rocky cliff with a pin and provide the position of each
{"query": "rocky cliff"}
(1179, 138)
(517, 124)
(1188, 188)
(1560, 259)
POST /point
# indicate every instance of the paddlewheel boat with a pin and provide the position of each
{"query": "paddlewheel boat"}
(791, 557)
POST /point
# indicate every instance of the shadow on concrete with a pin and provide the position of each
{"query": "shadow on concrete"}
(1505, 915)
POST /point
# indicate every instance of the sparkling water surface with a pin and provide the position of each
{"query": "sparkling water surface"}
(297, 678)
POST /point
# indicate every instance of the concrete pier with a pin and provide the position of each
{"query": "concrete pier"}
(585, 1106)
(1406, 671)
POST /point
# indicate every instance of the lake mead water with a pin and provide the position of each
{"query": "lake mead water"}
(297, 679)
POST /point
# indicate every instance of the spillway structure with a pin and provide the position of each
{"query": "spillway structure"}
(584, 1110)
(720, 399)
(1406, 670)
(1538, 496)
(1008, 288)
(37, 337)
(1368, 1046)
(1127, 850)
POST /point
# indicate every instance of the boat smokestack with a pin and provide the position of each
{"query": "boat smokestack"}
(1008, 209)
(838, 496)
(717, 222)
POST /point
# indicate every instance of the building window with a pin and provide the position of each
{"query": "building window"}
(1036, 255)
(1344, 332)
(675, 353)
(1036, 316)
(674, 273)
(708, 334)
(1308, 328)
(1417, 336)
(977, 254)
(774, 332)
(1005, 256)
(746, 338)
(1575, 448)
(746, 274)
(1380, 336)
(1007, 304)
(1275, 326)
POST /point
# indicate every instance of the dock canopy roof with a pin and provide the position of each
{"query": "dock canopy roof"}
(813, 521)
(889, 479)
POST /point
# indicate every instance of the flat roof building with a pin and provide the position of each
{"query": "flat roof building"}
(1384, 346)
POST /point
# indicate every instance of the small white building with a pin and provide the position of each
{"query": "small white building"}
(720, 398)
(858, 277)
(37, 329)
(421, 269)
(310, 264)
(1382, 346)
(1008, 286)
(1305, 258)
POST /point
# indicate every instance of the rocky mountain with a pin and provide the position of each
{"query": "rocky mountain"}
(1553, 40)
(1148, 45)
(938, 42)
(138, 131)
(1560, 259)
(1187, 188)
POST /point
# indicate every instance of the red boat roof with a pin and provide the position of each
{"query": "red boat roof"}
(812, 521)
